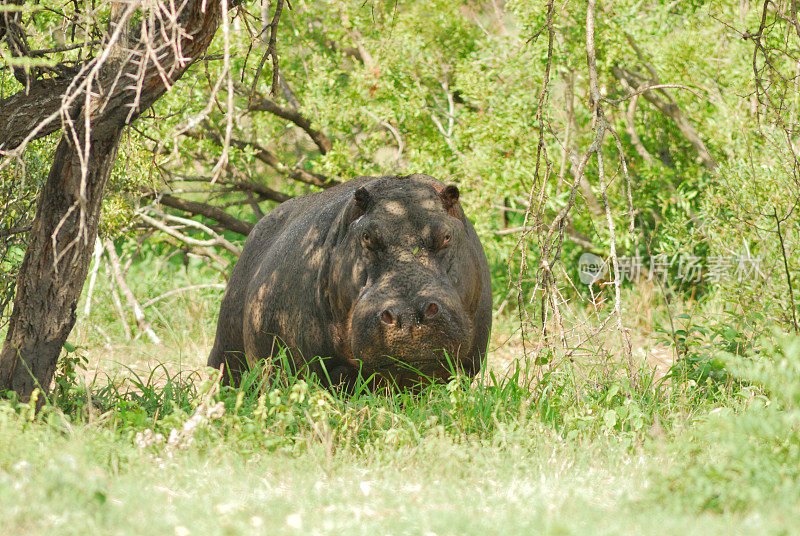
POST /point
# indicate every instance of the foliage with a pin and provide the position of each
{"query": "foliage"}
(399, 87)
(732, 461)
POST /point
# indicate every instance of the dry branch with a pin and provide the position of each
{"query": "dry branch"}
(394, 132)
(788, 273)
(266, 156)
(272, 49)
(96, 258)
(133, 303)
(251, 200)
(265, 192)
(579, 238)
(217, 262)
(14, 230)
(534, 214)
(601, 125)
(669, 107)
(217, 240)
(126, 329)
(172, 292)
(630, 123)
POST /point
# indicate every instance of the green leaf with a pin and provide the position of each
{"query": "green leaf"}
(610, 418)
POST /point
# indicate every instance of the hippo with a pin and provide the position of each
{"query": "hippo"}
(382, 277)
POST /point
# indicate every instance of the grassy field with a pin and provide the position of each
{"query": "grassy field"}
(457, 460)
(137, 438)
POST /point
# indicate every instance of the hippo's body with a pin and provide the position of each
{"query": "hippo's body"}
(380, 276)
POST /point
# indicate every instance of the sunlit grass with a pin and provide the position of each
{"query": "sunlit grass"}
(172, 453)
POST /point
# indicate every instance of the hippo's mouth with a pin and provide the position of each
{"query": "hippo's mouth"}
(439, 367)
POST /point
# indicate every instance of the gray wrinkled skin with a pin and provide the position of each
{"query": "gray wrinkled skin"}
(385, 276)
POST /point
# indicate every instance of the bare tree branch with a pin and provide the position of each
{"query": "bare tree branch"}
(650, 88)
(126, 329)
(579, 238)
(601, 125)
(265, 192)
(630, 123)
(669, 107)
(266, 156)
(788, 273)
(272, 49)
(172, 292)
(217, 240)
(202, 209)
(96, 259)
(267, 105)
(14, 230)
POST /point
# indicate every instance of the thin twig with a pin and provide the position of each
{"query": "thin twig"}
(172, 292)
(126, 330)
(602, 126)
(272, 51)
(788, 274)
(217, 240)
(96, 258)
(651, 88)
(390, 128)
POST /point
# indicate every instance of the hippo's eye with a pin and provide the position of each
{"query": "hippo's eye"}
(372, 240)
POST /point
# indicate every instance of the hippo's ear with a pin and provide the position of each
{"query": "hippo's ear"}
(449, 196)
(359, 205)
(363, 199)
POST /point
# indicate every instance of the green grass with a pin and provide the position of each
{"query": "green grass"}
(93, 483)
(137, 438)
(172, 454)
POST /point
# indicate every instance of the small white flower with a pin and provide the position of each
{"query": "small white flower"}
(22, 467)
(224, 508)
(294, 521)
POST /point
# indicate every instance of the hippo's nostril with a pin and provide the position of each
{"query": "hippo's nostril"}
(431, 310)
(387, 317)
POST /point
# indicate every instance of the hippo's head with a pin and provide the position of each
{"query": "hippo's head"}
(405, 281)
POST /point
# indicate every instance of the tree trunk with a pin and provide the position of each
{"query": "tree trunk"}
(55, 266)
(56, 262)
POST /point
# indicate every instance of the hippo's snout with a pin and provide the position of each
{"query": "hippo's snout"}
(419, 333)
(399, 318)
